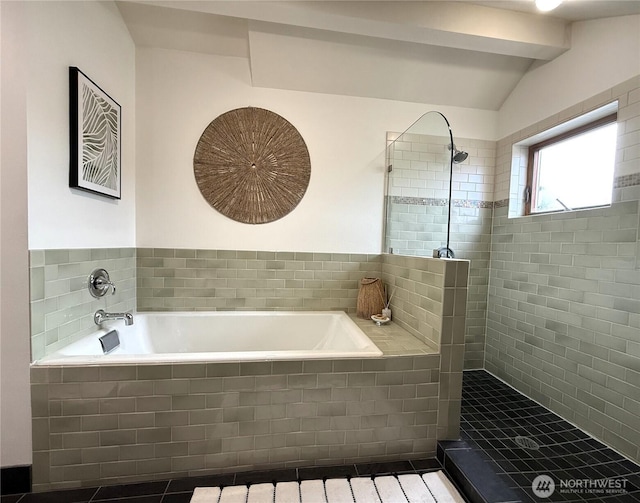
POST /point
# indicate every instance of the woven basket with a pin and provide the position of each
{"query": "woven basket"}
(370, 297)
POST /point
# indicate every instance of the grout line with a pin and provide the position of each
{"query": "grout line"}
(94, 494)
(166, 488)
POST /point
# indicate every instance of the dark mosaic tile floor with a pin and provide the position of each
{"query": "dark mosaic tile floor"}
(181, 490)
(494, 414)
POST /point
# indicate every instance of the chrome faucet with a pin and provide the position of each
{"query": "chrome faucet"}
(101, 316)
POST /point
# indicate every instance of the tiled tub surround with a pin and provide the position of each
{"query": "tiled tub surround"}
(564, 297)
(127, 423)
(61, 306)
(96, 425)
(417, 213)
(184, 279)
(246, 280)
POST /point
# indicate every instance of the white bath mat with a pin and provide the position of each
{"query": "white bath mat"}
(205, 495)
(431, 487)
(233, 494)
(338, 491)
(312, 491)
(415, 489)
(389, 489)
(287, 491)
(259, 493)
(364, 490)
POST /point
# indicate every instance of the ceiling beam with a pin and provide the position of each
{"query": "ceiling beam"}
(457, 25)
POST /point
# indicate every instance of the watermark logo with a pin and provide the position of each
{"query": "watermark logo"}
(543, 486)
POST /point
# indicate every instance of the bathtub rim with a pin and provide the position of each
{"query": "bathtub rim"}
(55, 360)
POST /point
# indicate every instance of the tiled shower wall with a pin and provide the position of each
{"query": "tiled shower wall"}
(564, 296)
(471, 240)
(429, 301)
(61, 306)
(417, 214)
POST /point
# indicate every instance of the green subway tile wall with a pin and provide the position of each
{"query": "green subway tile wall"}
(111, 424)
(417, 214)
(101, 425)
(563, 321)
(61, 306)
(209, 280)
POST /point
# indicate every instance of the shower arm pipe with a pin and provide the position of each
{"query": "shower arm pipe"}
(452, 153)
(450, 195)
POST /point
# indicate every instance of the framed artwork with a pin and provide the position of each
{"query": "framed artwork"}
(95, 133)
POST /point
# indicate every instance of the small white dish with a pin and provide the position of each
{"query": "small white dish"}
(378, 319)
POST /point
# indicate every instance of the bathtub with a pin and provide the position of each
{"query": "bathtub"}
(222, 337)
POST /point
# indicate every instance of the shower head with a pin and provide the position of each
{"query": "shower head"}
(458, 155)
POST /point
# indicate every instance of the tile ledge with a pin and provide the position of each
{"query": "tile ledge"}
(394, 340)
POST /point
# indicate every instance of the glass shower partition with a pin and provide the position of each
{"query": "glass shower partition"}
(418, 189)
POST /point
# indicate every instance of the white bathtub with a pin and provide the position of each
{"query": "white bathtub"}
(222, 336)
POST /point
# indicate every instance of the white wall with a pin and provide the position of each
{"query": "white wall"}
(180, 93)
(40, 40)
(93, 37)
(603, 53)
(15, 406)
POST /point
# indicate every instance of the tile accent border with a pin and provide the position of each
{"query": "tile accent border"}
(626, 181)
(471, 203)
(419, 201)
(427, 201)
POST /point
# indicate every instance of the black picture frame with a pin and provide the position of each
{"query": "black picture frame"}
(95, 132)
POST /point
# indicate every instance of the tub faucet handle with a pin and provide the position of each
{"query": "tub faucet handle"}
(106, 284)
(99, 283)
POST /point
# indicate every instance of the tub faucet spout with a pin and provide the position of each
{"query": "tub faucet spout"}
(101, 316)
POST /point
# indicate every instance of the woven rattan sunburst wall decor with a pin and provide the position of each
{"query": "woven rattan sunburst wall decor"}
(252, 165)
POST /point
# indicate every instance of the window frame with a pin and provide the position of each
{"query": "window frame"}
(532, 159)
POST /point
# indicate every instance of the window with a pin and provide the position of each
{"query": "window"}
(573, 169)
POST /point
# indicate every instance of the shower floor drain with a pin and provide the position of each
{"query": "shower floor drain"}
(527, 443)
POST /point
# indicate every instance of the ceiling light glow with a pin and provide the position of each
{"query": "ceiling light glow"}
(547, 5)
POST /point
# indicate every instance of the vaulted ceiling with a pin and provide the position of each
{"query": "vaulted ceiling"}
(468, 54)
